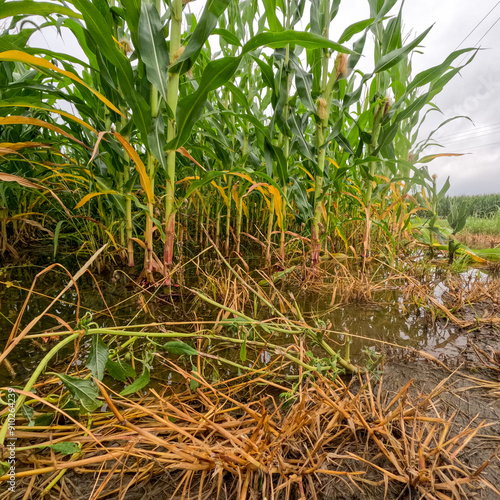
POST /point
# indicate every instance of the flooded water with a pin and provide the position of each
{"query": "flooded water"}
(378, 326)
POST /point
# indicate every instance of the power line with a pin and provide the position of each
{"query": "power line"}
(467, 132)
(482, 146)
(468, 138)
(476, 45)
(478, 24)
(488, 31)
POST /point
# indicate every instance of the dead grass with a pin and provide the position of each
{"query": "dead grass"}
(481, 240)
(236, 439)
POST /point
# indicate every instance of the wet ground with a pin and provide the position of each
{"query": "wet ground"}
(375, 329)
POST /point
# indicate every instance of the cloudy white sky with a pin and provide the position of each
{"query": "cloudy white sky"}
(475, 93)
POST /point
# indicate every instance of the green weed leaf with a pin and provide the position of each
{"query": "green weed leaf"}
(65, 448)
(98, 357)
(85, 392)
(120, 370)
(138, 383)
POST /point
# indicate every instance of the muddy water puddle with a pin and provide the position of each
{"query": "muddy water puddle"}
(377, 326)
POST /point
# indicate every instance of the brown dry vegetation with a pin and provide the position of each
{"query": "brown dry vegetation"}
(336, 440)
(473, 240)
(408, 435)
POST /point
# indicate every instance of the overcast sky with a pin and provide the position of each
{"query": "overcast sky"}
(475, 93)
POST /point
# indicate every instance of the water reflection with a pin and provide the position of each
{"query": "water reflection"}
(388, 320)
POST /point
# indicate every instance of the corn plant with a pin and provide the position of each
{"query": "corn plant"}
(232, 124)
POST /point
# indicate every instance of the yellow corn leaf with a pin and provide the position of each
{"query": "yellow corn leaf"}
(243, 176)
(236, 198)
(306, 172)
(474, 257)
(255, 186)
(355, 197)
(354, 186)
(25, 120)
(111, 237)
(333, 162)
(278, 205)
(139, 242)
(18, 56)
(323, 210)
(70, 177)
(222, 193)
(413, 211)
(52, 110)
(342, 237)
(184, 152)
(16, 146)
(7, 151)
(425, 199)
(187, 179)
(272, 191)
(431, 157)
(89, 196)
(143, 176)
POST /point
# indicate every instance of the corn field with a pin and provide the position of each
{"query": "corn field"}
(233, 128)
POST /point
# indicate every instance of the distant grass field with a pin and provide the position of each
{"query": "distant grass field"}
(484, 225)
(479, 206)
(482, 229)
(481, 232)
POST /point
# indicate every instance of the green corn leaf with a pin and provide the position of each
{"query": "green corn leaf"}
(57, 232)
(102, 35)
(284, 38)
(272, 20)
(191, 107)
(267, 72)
(432, 74)
(204, 28)
(227, 36)
(393, 57)
(156, 140)
(379, 8)
(303, 82)
(238, 95)
(153, 47)
(392, 34)
(354, 29)
(23, 8)
(281, 164)
(358, 47)
(299, 193)
(316, 17)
